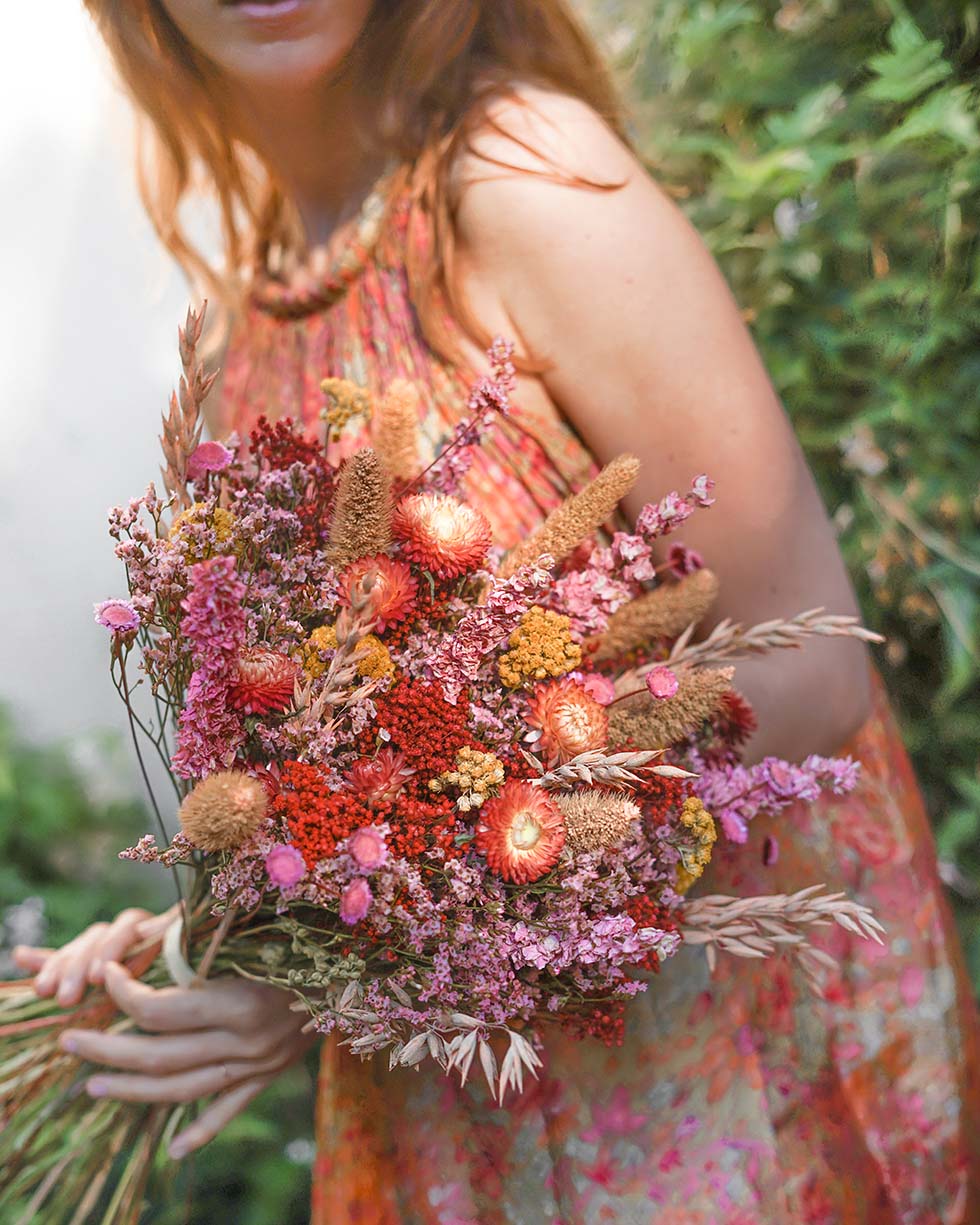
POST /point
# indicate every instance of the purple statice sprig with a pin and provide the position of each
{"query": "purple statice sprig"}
(735, 793)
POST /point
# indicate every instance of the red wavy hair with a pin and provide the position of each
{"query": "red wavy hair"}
(465, 55)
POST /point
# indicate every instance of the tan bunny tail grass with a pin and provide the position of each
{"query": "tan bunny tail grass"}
(652, 723)
(361, 524)
(664, 612)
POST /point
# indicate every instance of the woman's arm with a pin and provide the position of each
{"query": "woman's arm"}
(649, 355)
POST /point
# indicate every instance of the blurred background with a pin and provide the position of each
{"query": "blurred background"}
(828, 151)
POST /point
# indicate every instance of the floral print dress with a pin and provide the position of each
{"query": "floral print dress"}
(737, 1098)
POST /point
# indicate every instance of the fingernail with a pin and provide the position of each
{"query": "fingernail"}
(177, 1150)
(96, 1088)
(69, 1044)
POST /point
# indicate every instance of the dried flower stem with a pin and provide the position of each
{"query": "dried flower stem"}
(760, 926)
(183, 424)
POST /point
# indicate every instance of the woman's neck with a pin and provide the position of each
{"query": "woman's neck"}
(313, 141)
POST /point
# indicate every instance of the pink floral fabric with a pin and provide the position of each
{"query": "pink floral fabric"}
(738, 1098)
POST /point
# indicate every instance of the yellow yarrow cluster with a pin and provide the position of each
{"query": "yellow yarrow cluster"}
(221, 520)
(477, 775)
(695, 818)
(322, 639)
(345, 401)
(373, 661)
(541, 646)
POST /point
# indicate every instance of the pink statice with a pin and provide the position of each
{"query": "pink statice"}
(120, 616)
(460, 656)
(285, 866)
(588, 598)
(596, 686)
(660, 518)
(213, 625)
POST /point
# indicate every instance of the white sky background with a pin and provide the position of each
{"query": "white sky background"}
(89, 306)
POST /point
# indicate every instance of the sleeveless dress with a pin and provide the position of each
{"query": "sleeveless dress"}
(738, 1098)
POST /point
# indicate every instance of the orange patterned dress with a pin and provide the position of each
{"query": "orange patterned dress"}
(738, 1099)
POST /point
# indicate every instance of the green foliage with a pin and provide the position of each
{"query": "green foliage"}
(829, 153)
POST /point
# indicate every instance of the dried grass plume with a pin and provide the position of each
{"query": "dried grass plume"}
(361, 523)
(664, 612)
(595, 820)
(656, 722)
(577, 517)
(396, 430)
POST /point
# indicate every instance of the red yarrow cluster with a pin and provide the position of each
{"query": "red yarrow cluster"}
(645, 912)
(423, 726)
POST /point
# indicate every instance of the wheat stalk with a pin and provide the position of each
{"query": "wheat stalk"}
(762, 926)
(599, 766)
(183, 424)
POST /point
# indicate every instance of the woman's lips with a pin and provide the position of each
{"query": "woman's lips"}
(265, 9)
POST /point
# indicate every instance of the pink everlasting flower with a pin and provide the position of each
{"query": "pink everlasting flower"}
(662, 683)
(285, 867)
(367, 847)
(355, 901)
(117, 615)
(208, 457)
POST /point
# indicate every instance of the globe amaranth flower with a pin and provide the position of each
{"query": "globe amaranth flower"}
(263, 682)
(367, 847)
(120, 616)
(662, 683)
(207, 457)
(285, 866)
(521, 832)
(441, 534)
(570, 720)
(355, 901)
(596, 685)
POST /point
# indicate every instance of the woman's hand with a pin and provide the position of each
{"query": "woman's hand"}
(65, 973)
(227, 1038)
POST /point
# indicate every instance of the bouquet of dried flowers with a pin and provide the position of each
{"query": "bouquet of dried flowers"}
(445, 795)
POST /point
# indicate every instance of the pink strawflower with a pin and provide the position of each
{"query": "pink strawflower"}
(662, 682)
(367, 847)
(117, 615)
(285, 866)
(596, 686)
(355, 901)
(208, 457)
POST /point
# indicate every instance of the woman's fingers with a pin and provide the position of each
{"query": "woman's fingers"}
(27, 957)
(166, 1054)
(116, 941)
(185, 1086)
(229, 1003)
(153, 927)
(63, 974)
(217, 1115)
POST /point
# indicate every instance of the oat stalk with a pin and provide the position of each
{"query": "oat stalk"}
(599, 766)
(762, 926)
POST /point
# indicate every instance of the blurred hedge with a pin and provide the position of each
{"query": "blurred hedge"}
(829, 153)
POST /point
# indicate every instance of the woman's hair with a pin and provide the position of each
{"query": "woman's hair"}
(465, 54)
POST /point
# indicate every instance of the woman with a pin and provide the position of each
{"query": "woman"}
(506, 200)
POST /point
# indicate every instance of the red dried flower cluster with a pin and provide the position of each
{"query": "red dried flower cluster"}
(424, 726)
(319, 818)
(734, 721)
(606, 1022)
(661, 798)
(278, 445)
(645, 912)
